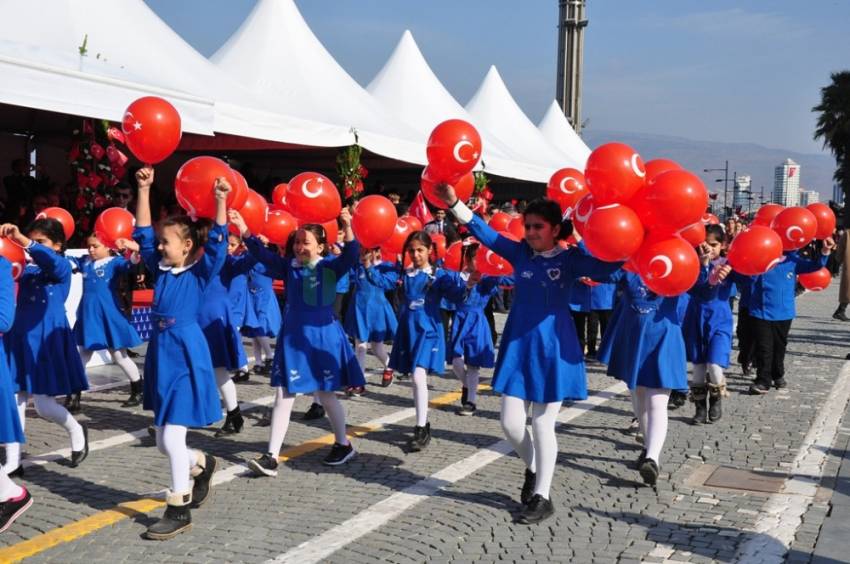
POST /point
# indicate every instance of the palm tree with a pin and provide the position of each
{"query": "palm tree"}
(834, 128)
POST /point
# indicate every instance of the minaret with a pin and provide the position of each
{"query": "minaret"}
(571, 24)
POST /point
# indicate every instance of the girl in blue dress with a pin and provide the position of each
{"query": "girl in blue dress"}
(14, 499)
(313, 353)
(471, 343)
(179, 382)
(419, 346)
(262, 316)
(42, 346)
(539, 361)
(370, 319)
(101, 325)
(707, 328)
(644, 347)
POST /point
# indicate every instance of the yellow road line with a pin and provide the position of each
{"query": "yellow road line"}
(88, 525)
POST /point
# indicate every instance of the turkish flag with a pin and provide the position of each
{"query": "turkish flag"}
(419, 209)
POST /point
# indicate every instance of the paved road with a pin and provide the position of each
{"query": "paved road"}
(456, 500)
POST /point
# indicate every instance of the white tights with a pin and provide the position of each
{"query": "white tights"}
(226, 387)
(650, 406)
(8, 488)
(714, 372)
(282, 413)
(468, 376)
(262, 349)
(171, 441)
(538, 449)
(120, 358)
(420, 395)
(378, 349)
(48, 408)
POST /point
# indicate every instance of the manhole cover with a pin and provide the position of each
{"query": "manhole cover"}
(733, 478)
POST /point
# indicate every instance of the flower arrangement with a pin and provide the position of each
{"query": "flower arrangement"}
(351, 172)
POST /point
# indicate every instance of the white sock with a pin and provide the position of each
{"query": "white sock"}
(655, 405)
(381, 353)
(258, 351)
(336, 415)
(317, 399)
(715, 374)
(543, 417)
(513, 419)
(360, 349)
(699, 375)
(226, 387)
(171, 441)
(125, 363)
(420, 395)
(48, 408)
(8, 488)
(21, 401)
(459, 369)
(472, 377)
(13, 456)
(281, 414)
(266, 345)
(640, 414)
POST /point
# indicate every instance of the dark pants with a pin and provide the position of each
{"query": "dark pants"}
(597, 323)
(771, 339)
(448, 316)
(580, 320)
(746, 338)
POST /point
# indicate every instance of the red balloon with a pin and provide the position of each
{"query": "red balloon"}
(755, 250)
(491, 264)
(415, 224)
(672, 200)
(710, 219)
(331, 231)
(500, 221)
(439, 242)
(816, 281)
(766, 213)
(113, 224)
(614, 173)
(517, 227)
(463, 187)
(255, 212)
(374, 221)
(151, 129)
(403, 228)
(796, 227)
(194, 185)
(62, 216)
(613, 232)
(279, 197)
(453, 256)
(279, 225)
(658, 166)
(313, 198)
(14, 253)
(668, 266)
(453, 150)
(581, 213)
(240, 191)
(694, 233)
(826, 219)
(567, 186)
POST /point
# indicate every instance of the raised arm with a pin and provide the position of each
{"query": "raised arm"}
(384, 275)
(350, 255)
(804, 265)
(276, 265)
(144, 179)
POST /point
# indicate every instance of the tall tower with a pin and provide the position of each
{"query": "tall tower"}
(786, 183)
(571, 24)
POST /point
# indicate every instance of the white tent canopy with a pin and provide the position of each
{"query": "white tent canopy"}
(408, 87)
(557, 130)
(495, 109)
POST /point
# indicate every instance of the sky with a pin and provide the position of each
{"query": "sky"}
(739, 71)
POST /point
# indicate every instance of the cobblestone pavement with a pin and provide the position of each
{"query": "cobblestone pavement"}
(454, 501)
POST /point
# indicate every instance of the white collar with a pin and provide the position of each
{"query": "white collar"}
(464, 276)
(553, 252)
(102, 262)
(429, 270)
(176, 269)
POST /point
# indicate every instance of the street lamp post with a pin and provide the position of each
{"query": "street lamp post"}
(725, 170)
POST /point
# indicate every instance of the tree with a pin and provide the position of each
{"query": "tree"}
(833, 128)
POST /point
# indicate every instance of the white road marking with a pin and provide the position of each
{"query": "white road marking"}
(320, 547)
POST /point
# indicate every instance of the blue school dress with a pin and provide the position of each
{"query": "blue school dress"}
(370, 317)
(602, 297)
(643, 345)
(100, 322)
(180, 384)
(471, 337)
(10, 421)
(312, 353)
(237, 291)
(707, 326)
(580, 297)
(262, 317)
(539, 358)
(216, 316)
(44, 352)
(420, 339)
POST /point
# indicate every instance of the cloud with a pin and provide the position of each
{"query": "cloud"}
(733, 22)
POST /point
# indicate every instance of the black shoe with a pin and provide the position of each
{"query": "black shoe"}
(640, 460)
(464, 395)
(152, 432)
(17, 472)
(538, 509)
(759, 389)
(266, 419)
(649, 472)
(135, 395)
(698, 396)
(241, 376)
(840, 316)
(265, 465)
(527, 487)
(176, 519)
(746, 370)
(316, 411)
(259, 369)
(12, 509)
(203, 482)
(340, 454)
(233, 423)
(421, 438)
(132, 354)
(780, 384)
(468, 408)
(72, 402)
(677, 400)
(715, 407)
(77, 456)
